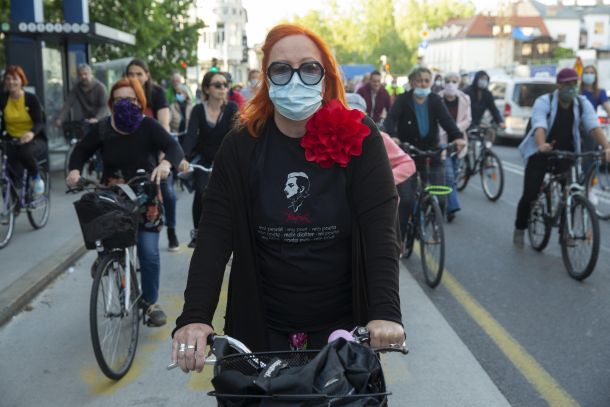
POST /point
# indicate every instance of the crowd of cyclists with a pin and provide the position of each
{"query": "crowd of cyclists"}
(170, 128)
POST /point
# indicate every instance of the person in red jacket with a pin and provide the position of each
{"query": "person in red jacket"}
(233, 94)
(376, 97)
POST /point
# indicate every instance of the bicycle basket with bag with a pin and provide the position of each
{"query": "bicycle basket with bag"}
(109, 217)
(341, 374)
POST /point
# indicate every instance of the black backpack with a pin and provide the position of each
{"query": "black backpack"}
(548, 115)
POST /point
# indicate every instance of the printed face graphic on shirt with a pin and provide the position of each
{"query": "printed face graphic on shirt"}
(296, 189)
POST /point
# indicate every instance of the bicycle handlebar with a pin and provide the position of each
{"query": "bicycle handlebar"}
(360, 335)
(415, 151)
(571, 155)
(192, 168)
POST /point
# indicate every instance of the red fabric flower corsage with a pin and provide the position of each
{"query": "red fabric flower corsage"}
(334, 134)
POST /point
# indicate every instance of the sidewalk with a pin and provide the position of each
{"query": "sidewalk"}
(439, 370)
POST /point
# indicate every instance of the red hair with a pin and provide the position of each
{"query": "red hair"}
(129, 83)
(260, 108)
(16, 70)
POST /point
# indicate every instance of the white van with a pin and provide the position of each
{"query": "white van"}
(514, 98)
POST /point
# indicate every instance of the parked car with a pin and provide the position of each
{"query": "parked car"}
(514, 98)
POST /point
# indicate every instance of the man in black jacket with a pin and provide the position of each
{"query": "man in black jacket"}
(415, 118)
(481, 99)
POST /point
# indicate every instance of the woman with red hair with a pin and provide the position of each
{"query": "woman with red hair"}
(299, 193)
(130, 141)
(21, 118)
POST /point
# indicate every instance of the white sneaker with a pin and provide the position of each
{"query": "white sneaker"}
(37, 187)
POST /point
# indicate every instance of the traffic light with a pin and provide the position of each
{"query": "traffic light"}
(183, 64)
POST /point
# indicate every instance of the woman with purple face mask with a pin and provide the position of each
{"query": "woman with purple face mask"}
(458, 105)
(130, 141)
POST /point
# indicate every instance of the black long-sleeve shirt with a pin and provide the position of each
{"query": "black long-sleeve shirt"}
(227, 227)
(401, 122)
(124, 154)
(479, 105)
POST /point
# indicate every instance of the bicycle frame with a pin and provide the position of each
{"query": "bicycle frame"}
(8, 174)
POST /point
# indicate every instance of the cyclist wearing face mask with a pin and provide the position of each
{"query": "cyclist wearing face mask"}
(481, 100)
(557, 119)
(311, 225)
(415, 118)
(458, 105)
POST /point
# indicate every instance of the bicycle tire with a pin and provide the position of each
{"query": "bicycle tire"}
(491, 173)
(539, 225)
(109, 276)
(432, 241)
(7, 214)
(597, 184)
(409, 241)
(463, 173)
(67, 159)
(38, 212)
(589, 236)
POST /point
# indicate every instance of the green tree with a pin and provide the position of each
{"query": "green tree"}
(164, 30)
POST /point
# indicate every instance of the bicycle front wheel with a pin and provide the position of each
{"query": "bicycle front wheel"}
(579, 238)
(598, 189)
(492, 175)
(432, 241)
(7, 213)
(38, 208)
(539, 224)
(463, 172)
(114, 327)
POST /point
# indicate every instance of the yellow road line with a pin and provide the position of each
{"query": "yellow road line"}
(533, 372)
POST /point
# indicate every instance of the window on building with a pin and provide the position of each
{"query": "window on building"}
(526, 50)
(543, 48)
(496, 30)
(507, 29)
(561, 37)
(599, 27)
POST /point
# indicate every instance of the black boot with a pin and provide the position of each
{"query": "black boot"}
(193, 242)
(174, 245)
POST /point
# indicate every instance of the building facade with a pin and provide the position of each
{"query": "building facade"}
(223, 39)
(483, 42)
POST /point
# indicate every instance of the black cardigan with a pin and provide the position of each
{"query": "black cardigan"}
(34, 109)
(226, 227)
(203, 139)
(402, 123)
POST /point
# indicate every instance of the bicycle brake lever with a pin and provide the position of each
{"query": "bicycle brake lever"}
(210, 360)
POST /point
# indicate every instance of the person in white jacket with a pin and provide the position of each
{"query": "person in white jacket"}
(458, 104)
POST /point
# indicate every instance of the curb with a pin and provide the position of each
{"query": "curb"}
(17, 295)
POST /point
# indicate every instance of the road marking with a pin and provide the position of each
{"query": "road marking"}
(510, 167)
(533, 372)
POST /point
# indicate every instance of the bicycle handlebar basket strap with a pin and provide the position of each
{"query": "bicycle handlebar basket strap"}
(341, 374)
(108, 216)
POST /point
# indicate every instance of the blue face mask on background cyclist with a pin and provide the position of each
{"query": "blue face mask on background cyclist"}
(180, 98)
(482, 83)
(421, 92)
(588, 78)
(295, 100)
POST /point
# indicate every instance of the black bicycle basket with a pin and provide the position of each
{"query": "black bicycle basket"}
(342, 374)
(108, 217)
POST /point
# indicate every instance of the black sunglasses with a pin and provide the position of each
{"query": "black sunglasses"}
(219, 85)
(280, 73)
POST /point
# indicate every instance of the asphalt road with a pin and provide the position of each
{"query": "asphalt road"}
(540, 335)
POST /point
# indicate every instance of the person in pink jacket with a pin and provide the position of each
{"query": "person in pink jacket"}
(458, 104)
(402, 164)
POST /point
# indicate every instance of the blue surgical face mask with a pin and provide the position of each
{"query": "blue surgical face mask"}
(482, 83)
(295, 100)
(421, 92)
(588, 78)
(180, 97)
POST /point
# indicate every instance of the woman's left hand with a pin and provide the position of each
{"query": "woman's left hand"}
(161, 171)
(385, 333)
(27, 137)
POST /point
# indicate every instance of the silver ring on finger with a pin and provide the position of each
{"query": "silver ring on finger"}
(191, 347)
(182, 347)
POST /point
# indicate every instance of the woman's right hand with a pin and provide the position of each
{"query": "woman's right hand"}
(72, 178)
(195, 338)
